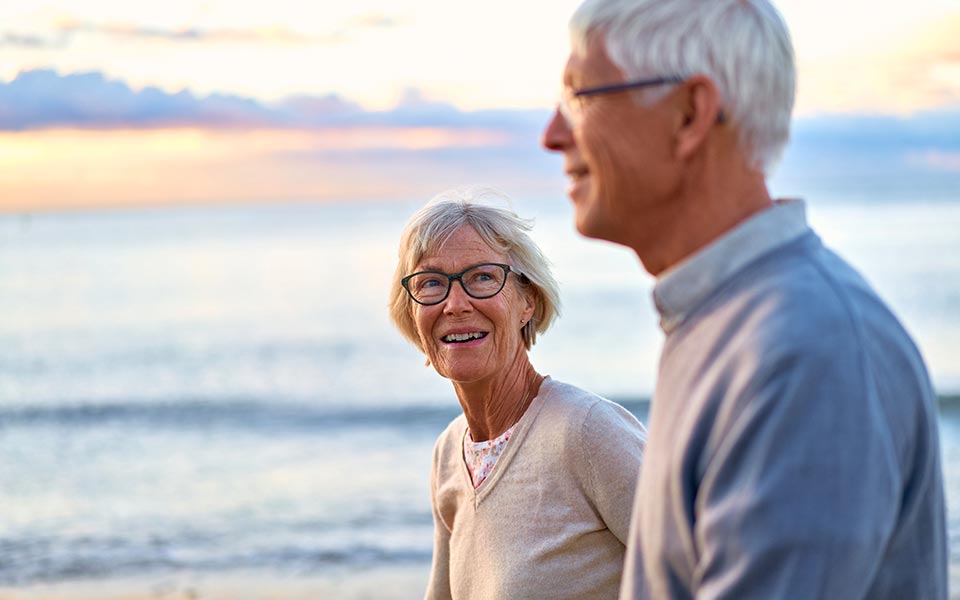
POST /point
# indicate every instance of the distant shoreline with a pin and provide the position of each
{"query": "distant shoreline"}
(949, 400)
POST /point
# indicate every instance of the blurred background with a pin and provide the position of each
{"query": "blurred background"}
(201, 394)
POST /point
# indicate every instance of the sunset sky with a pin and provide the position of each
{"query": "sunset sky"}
(107, 102)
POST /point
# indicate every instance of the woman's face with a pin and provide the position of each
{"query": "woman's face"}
(494, 322)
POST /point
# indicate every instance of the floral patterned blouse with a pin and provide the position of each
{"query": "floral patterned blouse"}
(482, 456)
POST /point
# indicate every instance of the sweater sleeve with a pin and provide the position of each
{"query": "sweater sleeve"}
(800, 490)
(438, 587)
(612, 442)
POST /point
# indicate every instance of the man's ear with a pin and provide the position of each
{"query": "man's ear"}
(699, 112)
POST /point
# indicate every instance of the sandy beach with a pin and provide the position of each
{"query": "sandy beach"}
(383, 583)
(392, 583)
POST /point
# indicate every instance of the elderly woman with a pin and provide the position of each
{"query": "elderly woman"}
(532, 485)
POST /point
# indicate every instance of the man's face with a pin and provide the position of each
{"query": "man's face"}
(617, 153)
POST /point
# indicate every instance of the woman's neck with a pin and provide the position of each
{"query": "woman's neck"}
(492, 407)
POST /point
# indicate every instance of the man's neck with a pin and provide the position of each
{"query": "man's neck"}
(700, 214)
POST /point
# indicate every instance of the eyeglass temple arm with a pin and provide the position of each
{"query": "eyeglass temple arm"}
(626, 85)
(629, 85)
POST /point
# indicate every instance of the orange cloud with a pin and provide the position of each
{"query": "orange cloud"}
(281, 35)
(917, 70)
(69, 25)
(66, 168)
(936, 159)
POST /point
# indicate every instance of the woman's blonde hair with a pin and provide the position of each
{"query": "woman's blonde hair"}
(501, 229)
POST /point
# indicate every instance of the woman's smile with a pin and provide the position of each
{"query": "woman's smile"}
(464, 339)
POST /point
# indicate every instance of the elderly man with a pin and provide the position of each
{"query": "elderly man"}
(793, 448)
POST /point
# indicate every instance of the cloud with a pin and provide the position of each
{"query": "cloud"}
(936, 160)
(916, 69)
(279, 35)
(376, 21)
(872, 156)
(59, 168)
(12, 39)
(44, 99)
(67, 28)
(936, 127)
(839, 153)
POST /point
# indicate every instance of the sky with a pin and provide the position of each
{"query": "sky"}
(111, 102)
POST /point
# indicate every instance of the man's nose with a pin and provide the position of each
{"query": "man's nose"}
(557, 136)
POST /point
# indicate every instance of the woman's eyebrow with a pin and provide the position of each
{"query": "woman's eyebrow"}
(428, 267)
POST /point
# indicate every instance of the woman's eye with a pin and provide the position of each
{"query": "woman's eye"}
(478, 278)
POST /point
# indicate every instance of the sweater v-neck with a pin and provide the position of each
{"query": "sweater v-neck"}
(513, 446)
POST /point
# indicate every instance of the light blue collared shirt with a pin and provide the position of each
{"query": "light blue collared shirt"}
(687, 283)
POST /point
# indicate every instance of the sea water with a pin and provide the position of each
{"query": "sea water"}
(220, 389)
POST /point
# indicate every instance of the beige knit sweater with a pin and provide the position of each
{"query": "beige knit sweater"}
(552, 518)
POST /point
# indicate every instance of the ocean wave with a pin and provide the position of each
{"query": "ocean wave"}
(240, 413)
(229, 414)
(48, 560)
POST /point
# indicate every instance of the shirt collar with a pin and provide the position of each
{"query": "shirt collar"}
(682, 287)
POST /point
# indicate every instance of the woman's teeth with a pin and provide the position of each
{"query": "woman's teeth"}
(463, 337)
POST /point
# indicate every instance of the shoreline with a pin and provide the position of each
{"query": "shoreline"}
(374, 583)
(402, 582)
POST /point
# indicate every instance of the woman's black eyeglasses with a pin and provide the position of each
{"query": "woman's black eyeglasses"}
(479, 281)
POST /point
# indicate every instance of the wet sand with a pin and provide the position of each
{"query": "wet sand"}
(393, 583)
(381, 583)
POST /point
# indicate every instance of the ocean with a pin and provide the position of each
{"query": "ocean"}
(212, 392)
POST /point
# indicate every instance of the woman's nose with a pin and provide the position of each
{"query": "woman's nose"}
(457, 299)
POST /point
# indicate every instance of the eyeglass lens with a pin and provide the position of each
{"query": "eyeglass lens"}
(569, 107)
(481, 281)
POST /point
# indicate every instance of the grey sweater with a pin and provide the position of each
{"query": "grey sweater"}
(552, 518)
(793, 447)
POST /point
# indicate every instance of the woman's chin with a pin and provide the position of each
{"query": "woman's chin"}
(465, 373)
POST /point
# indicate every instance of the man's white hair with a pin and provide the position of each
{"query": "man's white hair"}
(742, 45)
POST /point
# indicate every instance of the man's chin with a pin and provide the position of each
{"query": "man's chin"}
(579, 190)
(596, 226)
(587, 224)
(588, 217)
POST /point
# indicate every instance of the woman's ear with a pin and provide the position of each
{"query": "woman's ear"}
(530, 303)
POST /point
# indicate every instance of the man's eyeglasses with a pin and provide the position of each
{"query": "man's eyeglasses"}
(571, 101)
(479, 281)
